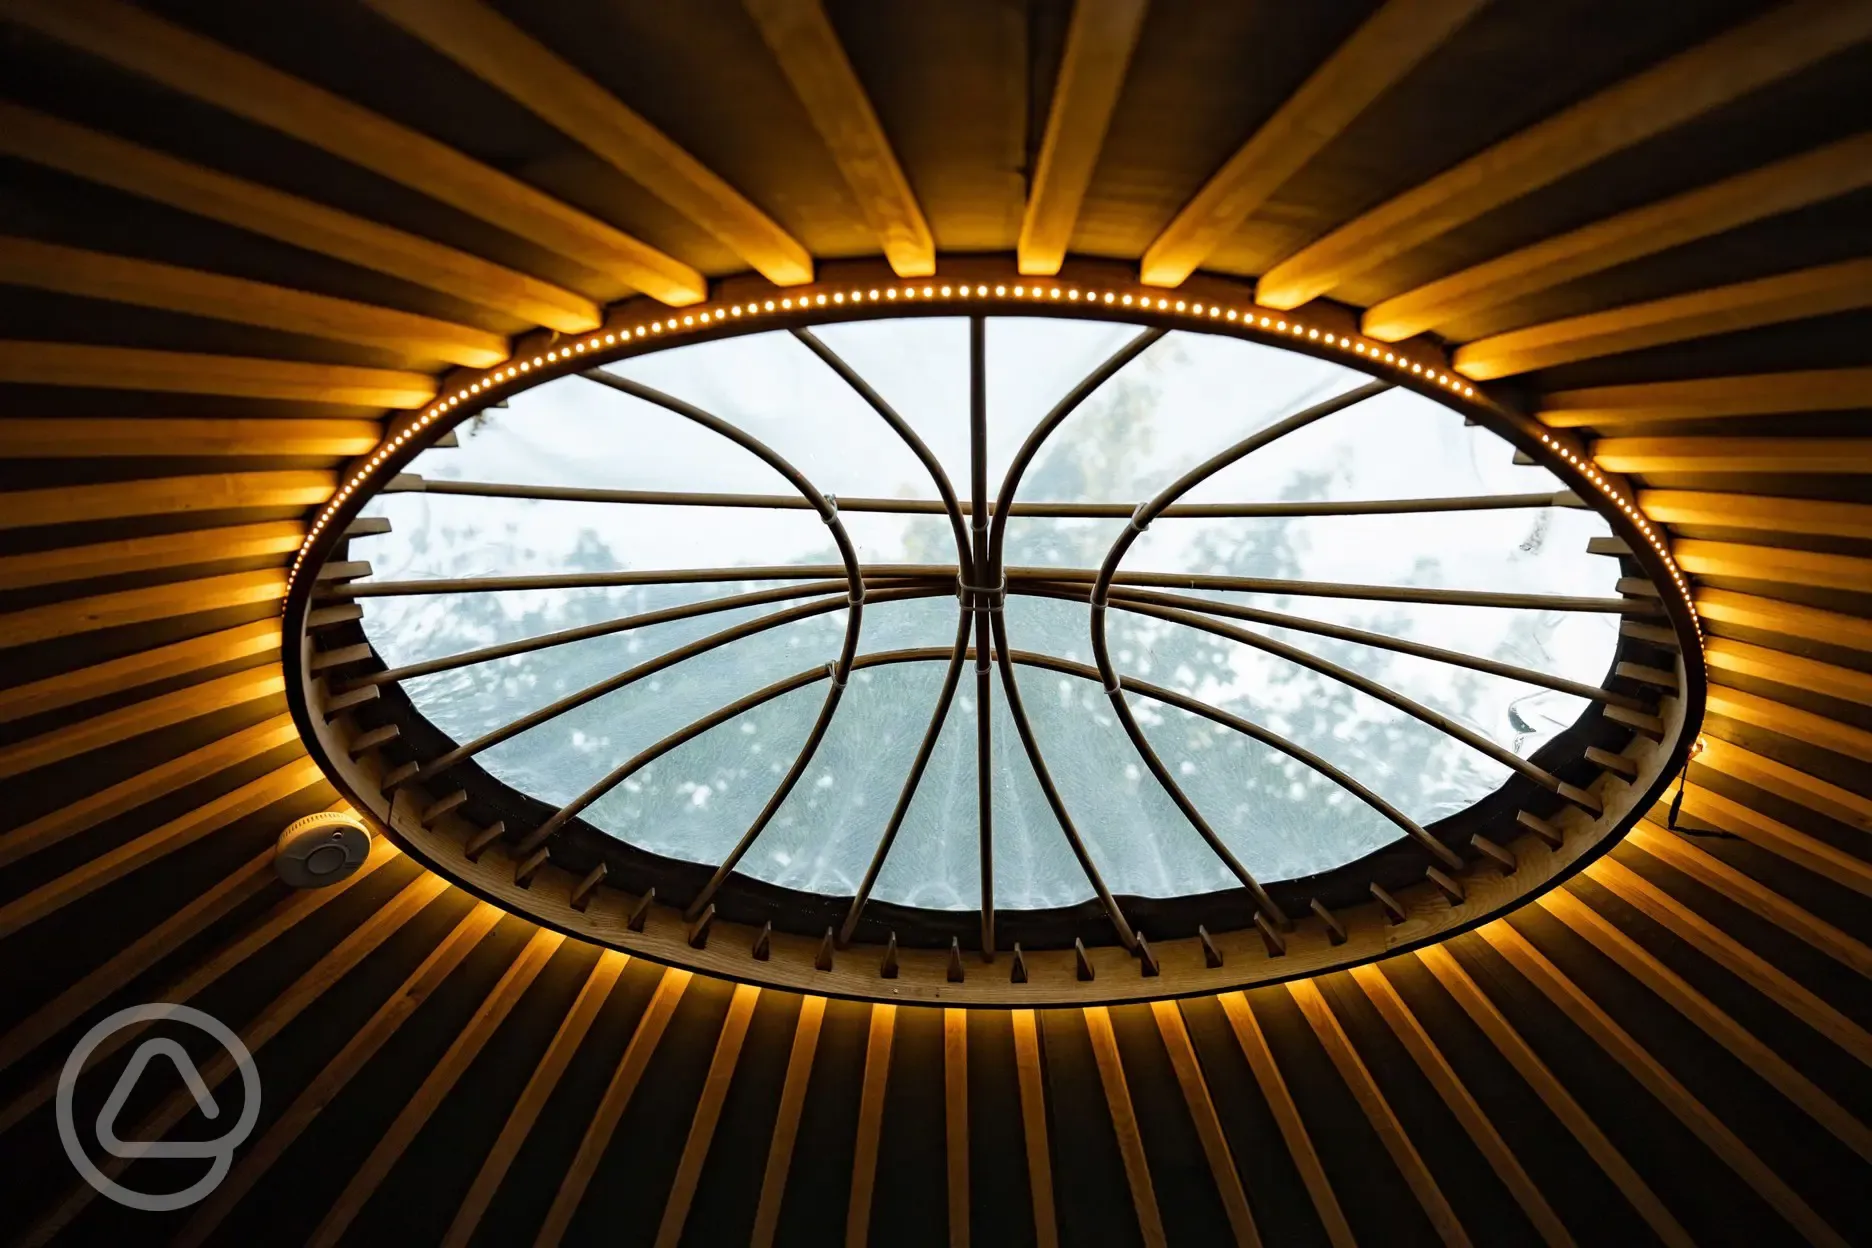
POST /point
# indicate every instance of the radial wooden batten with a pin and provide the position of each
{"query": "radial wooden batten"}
(1656, 1052)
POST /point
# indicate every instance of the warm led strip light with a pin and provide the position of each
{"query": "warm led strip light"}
(1357, 350)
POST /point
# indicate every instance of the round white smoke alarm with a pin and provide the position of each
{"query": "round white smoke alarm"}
(321, 849)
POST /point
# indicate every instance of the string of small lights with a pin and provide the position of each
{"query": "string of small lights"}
(1364, 353)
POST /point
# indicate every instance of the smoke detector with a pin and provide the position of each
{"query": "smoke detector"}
(321, 849)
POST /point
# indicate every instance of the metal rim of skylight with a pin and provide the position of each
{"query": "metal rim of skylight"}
(980, 582)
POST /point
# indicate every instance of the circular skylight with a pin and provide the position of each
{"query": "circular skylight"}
(1314, 656)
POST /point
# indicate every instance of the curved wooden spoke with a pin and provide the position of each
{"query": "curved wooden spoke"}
(1100, 650)
(982, 602)
(1119, 598)
(1024, 730)
(944, 489)
(1346, 676)
(953, 508)
(911, 781)
(1248, 728)
(1331, 589)
(841, 667)
(879, 574)
(828, 511)
(781, 792)
(689, 732)
(1239, 451)
(822, 503)
(1023, 458)
(991, 625)
(603, 628)
(681, 654)
(1046, 662)
(410, 483)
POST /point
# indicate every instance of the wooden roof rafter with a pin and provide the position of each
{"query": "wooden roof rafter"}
(138, 170)
(1677, 90)
(803, 41)
(249, 88)
(488, 45)
(1390, 43)
(1099, 42)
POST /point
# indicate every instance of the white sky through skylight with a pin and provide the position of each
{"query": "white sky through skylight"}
(1185, 398)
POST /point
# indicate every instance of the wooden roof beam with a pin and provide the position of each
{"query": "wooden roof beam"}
(1829, 456)
(1739, 658)
(1648, 1070)
(611, 1105)
(158, 496)
(1786, 619)
(1099, 43)
(360, 1046)
(1790, 620)
(1384, 1120)
(1724, 949)
(1462, 1103)
(1669, 94)
(139, 668)
(1818, 291)
(1789, 783)
(95, 872)
(1643, 965)
(124, 166)
(437, 1084)
(183, 372)
(195, 66)
(1187, 1065)
(1810, 853)
(162, 940)
(1286, 1113)
(779, 1161)
(1824, 173)
(122, 279)
(63, 822)
(256, 684)
(708, 1110)
(487, 45)
(64, 437)
(1488, 1017)
(955, 1123)
(1379, 53)
(1756, 512)
(1715, 874)
(1774, 564)
(552, 1064)
(140, 554)
(810, 55)
(300, 995)
(1125, 1124)
(1761, 394)
(871, 1098)
(1805, 727)
(140, 606)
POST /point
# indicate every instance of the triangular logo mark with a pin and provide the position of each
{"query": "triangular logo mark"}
(114, 1103)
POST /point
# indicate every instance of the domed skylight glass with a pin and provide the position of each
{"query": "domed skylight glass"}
(605, 506)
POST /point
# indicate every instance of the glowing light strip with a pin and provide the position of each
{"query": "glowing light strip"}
(1358, 350)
